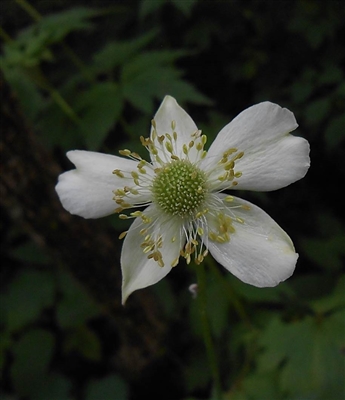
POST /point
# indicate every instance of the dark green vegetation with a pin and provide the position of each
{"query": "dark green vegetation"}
(92, 78)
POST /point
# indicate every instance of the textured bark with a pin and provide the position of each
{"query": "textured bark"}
(85, 247)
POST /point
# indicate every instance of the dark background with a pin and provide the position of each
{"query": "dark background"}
(92, 78)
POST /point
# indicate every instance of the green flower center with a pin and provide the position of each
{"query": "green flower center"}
(179, 188)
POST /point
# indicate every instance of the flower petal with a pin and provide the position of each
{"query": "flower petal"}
(87, 191)
(170, 112)
(259, 251)
(272, 157)
(138, 271)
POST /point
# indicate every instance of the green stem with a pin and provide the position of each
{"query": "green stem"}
(206, 330)
(79, 64)
(34, 14)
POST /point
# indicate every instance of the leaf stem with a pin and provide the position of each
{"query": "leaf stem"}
(206, 329)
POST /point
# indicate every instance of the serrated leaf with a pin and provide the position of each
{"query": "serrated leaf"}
(114, 54)
(99, 108)
(56, 26)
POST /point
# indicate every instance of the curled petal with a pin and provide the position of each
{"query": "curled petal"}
(139, 271)
(87, 191)
(259, 252)
(272, 157)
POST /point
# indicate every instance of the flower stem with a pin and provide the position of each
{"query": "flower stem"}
(206, 329)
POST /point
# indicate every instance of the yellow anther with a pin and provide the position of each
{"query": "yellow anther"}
(123, 216)
(229, 165)
(173, 125)
(199, 146)
(229, 199)
(169, 147)
(136, 214)
(123, 234)
(239, 155)
(145, 219)
(119, 192)
(118, 173)
(133, 191)
(125, 152)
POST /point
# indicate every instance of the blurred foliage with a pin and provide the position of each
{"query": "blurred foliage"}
(92, 77)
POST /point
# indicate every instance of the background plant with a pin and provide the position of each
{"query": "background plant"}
(92, 77)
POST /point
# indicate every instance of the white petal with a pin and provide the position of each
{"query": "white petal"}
(137, 270)
(168, 112)
(259, 251)
(272, 157)
(87, 191)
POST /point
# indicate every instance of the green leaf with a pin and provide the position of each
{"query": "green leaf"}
(56, 26)
(84, 341)
(326, 253)
(111, 387)
(311, 351)
(76, 306)
(99, 108)
(149, 6)
(317, 111)
(333, 301)
(254, 294)
(38, 288)
(114, 54)
(31, 100)
(185, 6)
(32, 355)
(335, 132)
(151, 76)
(31, 45)
(52, 386)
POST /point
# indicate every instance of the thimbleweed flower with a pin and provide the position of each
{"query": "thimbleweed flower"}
(183, 211)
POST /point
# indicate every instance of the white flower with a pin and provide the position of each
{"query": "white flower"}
(184, 212)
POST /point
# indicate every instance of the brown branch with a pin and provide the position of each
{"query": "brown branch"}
(85, 247)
